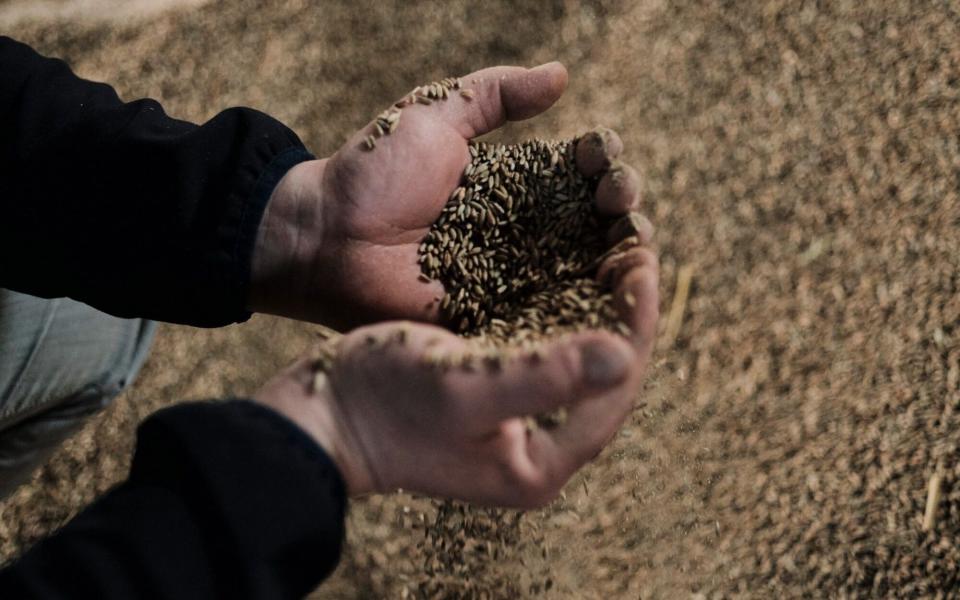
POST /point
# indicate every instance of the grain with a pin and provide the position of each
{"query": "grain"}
(516, 248)
(743, 187)
(388, 121)
(521, 242)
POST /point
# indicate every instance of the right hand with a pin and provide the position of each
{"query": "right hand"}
(339, 240)
(390, 421)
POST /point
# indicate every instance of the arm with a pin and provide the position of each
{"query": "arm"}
(124, 208)
(226, 500)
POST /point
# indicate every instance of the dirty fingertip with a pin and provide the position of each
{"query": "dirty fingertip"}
(596, 150)
(619, 190)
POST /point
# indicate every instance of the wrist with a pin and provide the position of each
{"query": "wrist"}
(310, 404)
(336, 436)
(288, 243)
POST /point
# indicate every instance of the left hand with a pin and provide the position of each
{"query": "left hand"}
(338, 242)
(389, 420)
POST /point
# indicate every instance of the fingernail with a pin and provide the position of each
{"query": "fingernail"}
(547, 65)
(604, 364)
(608, 141)
(618, 174)
(595, 149)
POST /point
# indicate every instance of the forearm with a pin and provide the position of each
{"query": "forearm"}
(124, 208)
(223, 500)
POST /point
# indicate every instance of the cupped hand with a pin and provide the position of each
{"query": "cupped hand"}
(339, 239)
(389, 419)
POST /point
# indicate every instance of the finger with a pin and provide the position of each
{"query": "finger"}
(619, 190)
(557, 453)
(596, 150)
(616, 266)
(536, 464)
(505, 476)
(491, 97)
(631, 224)
(636, 299)
(563, 372)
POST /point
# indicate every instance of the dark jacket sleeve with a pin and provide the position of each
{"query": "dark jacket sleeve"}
(225, 500)
(122, 207)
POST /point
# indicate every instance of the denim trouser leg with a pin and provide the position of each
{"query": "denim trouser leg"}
(60, 362)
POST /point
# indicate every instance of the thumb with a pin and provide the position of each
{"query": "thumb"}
(493, 96)
(563, 372)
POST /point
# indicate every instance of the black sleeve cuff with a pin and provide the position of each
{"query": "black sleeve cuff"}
(252, 215)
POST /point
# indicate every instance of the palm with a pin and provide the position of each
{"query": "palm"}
(387, 199)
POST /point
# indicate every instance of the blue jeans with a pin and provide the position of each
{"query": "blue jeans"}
(61, 361)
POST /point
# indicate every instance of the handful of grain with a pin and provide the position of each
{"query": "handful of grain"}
(516, 247)
(517, 244)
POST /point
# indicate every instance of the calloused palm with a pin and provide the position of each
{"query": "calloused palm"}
(362, 214)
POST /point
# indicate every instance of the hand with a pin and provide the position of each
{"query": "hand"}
(338, 241)
(388, 420)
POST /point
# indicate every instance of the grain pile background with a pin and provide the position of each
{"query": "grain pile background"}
(801, 156)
